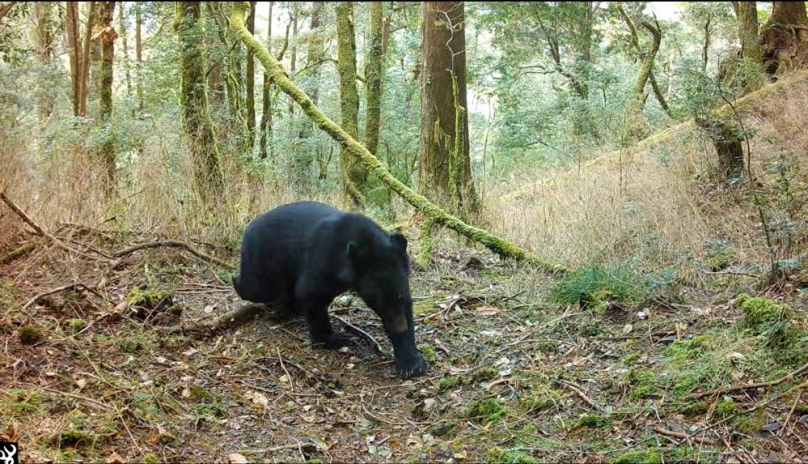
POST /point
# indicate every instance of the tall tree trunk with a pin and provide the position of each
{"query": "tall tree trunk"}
(44, 29)
(85, 59)
(74, 50)
(195, 118)
(216, 89)
(315, 52)
(94, 91)
(784, 38)
(293, 58)
(705, 49)
(445, 167)
(251, 84)
(139, 54)
(127, 68)
(354, 173)
(635, 120)
(635, 40)
(373, 76)
(747, 74)
(266, 102)
(107, 38)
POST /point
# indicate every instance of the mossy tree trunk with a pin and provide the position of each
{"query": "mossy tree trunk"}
(635, 41)
(44, 32)
(636, 124)
(250, 101)
(784, 38)
(127, 66)
(266, 102)
(195, 118)
(84, 65)
(748, 73)
(373, 77)
(293, 52)
(315, 51)
(139, 54)
(107, 38)
(445, 166)
(354, 173)
(74, 51)
(216, 89)
(728, 145)
(232, 76)
(431, 211)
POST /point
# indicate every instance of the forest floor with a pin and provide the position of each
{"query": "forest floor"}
(513, 377)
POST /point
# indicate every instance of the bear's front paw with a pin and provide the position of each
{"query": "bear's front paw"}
(411, 365)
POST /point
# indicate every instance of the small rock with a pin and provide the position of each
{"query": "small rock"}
(642, 315)
(771, 427)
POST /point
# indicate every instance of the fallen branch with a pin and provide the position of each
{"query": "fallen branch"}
(362, 334)
(56, 290)
(18, 253)
(235, 317)
(683, 436)
(751, 386)
(175, 244)
(39, 230)
(580, 393)
(496, 244)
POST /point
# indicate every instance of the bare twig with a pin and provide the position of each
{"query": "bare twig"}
(362, 334)
(579, 392)
(56, 290)
(175, 244)
(752, 386)
(683, 436)
(793, 407)
(18, 253)
(280, 358)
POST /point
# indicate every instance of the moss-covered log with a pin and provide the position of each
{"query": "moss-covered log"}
(502, 247)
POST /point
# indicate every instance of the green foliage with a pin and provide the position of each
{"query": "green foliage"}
(596, 284)
(485, 411)
(29, 334)
(498, 456)
(645, 456)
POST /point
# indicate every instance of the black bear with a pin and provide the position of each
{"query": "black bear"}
(302, 255)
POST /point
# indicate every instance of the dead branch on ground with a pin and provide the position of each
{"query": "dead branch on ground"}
(235, 317)
(751, 386)
(175, 244)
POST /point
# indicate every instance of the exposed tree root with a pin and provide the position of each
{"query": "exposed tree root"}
(229, 319)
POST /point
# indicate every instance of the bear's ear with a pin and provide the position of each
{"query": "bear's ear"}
(399, 241)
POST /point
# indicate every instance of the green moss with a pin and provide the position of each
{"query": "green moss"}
(443, 429)
(751, 423)
(133, 343)
(593, 421)
(448, 383)
(801, 409)
(151, 299)
(694, 409)
(73, 438)
(762, 311)
(423, 307)
(630, 359)
(150, 458)
(540, 399)
(428, 352)
(168, 438)
(487, 410)
(643, 383)
(726, 407)
(29, 334)
(24, 402)
(484, 373)
(199, 393)
(76, 325)
(648, 456)
(498, 456)
(780, 327)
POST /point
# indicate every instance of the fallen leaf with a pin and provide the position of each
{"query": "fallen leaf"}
(208, 309)
(120, 307)
(236, 458)
(11, 433)
(257, 398)
(628, 328)
(487, 310)
(81, 383)
(186, 393)
(114, 458)
(191, 351)
(284, 378)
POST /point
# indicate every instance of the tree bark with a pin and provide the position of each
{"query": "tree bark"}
(728, 145)
(315, 52)
(445, 166)
(44, 28)
(745, 74)
(216, 88)
(784, 38)
(293, 56)
(85, 60)
(251, 84)
(706, 47)
(636, 123)
(127, 68)
(373, 75)
(107, 38)
(195, 118)
(433, 213)
(266, 102)
(139, 54)
(635, 40)
(354, 173)
(74, 50)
